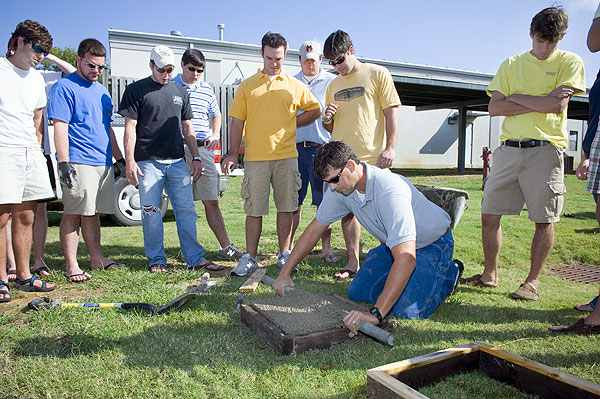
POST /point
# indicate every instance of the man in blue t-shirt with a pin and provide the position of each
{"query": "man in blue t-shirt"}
(82, 110)
(158, 118)
(412, 272)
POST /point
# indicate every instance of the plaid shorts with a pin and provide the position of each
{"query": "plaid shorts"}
(593, 180)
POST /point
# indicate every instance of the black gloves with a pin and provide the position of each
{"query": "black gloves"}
(66, 174)
(119, 168)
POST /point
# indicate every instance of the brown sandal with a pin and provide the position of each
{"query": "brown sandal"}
(475, 281)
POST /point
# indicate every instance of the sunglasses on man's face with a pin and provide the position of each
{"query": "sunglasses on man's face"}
(338, 61)
(335, 179)
(168, 69)
(94, 66)
(38, 49)
(192, 69)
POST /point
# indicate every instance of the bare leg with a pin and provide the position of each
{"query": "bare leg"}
(40, 228)
(491, 237)
(543, 240)
(295, 222)
(284, 230)
(69, 240)
(594, 317)
(90, 230)
(10, 255)
(253, 231)
(215, 222)
(4, 215)
(351, 230)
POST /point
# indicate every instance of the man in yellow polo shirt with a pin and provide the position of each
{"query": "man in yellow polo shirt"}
(532, 91)
(264, 108)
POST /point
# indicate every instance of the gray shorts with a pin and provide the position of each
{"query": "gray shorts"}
(206, 188)
(532, 176)
(23, 175)
(93, 191)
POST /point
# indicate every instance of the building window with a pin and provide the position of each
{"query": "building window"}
(573, 137)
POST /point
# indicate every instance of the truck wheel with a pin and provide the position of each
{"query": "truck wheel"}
(127, 204)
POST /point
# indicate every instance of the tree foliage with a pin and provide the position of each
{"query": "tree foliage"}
(67, 54)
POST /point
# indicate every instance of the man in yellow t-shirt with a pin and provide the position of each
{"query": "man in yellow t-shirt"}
(361, 112)
(531, 90)
(264, 108)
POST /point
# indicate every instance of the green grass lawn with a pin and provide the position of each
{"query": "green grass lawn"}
(204, 351)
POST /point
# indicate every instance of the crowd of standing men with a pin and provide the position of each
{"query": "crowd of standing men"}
(337, 134)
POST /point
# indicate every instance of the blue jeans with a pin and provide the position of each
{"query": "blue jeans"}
(306, 160)
(176, 180)
(431, 282)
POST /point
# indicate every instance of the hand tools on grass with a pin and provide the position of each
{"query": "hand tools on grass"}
(47, 303)
(240, 300)
(366, 328)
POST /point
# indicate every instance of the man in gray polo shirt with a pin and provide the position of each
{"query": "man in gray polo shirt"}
(412, 272)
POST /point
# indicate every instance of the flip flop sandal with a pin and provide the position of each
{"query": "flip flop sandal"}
(111, 265)
(40, 269)
(340, 272)
(475, 281)
(69, 276)
(210, 266)
(578, 327)
(5, 292)
(27, 285)
(331, 258)
(157, 268)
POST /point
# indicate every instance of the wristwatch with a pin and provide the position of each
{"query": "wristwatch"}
(375, 312)
(197, 159)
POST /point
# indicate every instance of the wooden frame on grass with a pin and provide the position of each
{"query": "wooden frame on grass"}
(400, 380)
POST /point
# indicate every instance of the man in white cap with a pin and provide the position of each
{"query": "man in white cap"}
(310, 137)
(157, 112)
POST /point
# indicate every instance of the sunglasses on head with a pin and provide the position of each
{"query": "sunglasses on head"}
(94, 66)
(335, 179)
(38, 49)
(167, 69)
(192, 69)
(338, 61)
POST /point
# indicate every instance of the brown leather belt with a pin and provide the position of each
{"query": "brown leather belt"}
(202, 143)
(308, 144)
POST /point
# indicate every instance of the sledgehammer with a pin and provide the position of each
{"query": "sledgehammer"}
(366, 328)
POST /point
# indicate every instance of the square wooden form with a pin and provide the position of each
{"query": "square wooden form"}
(288, 344)
(401, 379)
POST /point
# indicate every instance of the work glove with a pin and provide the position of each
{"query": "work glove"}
(66, 174)
(119, 168)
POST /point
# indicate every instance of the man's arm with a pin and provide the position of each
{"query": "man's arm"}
(38, 122)
(308, 116)
(500, 106)
(64, 66)
(132, 169)
(553, 103)
(330, 110)
(305, 244)
(61, 140)
(116, 151)
(404, 264)
(593, 38)
(189, 136)
(386, 158)
(235, 139)
(215, 138)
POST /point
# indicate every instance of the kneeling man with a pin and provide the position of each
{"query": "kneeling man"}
(412, 272)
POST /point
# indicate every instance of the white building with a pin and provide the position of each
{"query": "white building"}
(438, 102)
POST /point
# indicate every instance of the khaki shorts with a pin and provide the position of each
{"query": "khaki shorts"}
(206, 188)
(282, 174)
(531, 176)
(23, 175)
(93, 191)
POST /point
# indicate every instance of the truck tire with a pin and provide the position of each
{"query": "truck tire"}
(127, 204)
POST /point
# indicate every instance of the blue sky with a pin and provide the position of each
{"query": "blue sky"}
(472, 35)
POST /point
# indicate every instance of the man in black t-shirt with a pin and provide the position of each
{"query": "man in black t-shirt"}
(156, 113)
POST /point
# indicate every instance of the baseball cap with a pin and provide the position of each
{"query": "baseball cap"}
(310, 50)
(162, 56)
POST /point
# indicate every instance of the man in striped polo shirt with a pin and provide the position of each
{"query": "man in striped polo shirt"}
(207, 125)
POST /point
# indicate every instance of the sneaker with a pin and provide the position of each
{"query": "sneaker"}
(282, 258)
(246, 265)
(526, 292)
(230, 252)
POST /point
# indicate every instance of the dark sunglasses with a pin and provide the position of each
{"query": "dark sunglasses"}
(335, 179)
(192, 69)
(38, 49)
(338, 60)
(168, 70)
(94, 66)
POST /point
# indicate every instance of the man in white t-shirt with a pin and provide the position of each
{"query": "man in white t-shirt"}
(24, 175)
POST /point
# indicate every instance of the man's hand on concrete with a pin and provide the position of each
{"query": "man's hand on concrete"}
(67, 174)
(229, 164)
(281, 282)
(355, 319)
(386, 158)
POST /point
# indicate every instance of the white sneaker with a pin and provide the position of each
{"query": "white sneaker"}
(230, 252)
(282, 258)
(246, 265)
